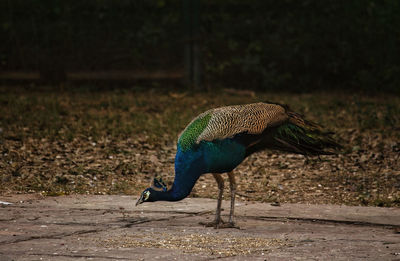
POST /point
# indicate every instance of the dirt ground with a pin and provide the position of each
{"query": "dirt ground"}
(107, 227)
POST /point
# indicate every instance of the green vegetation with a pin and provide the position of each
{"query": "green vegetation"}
(126, 113)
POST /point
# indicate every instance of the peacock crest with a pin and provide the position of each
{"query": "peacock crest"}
(158, 184)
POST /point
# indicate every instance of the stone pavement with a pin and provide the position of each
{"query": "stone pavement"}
(94, 227)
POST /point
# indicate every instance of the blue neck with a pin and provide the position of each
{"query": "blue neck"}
(208, 157)
(189, 166)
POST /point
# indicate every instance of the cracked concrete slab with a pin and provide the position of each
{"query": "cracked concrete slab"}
(88, 227)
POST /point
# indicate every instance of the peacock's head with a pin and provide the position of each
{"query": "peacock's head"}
(148, 194)
(145, 196)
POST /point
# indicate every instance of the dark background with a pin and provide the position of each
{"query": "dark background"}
(260, 45)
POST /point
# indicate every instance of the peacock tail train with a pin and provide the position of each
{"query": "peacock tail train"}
(304, 137)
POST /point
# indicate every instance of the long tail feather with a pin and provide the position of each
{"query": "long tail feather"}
(305, 137)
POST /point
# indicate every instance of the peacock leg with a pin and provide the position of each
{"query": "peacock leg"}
(220, 182)
(232, 184)
(217, 221)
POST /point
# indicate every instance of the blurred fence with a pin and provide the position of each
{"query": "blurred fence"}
(266, 45)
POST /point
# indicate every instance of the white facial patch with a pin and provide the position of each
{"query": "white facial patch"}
(146, 195)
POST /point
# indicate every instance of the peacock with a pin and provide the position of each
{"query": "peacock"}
(218, 140)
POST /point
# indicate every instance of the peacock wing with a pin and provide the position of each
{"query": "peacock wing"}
(226, 122)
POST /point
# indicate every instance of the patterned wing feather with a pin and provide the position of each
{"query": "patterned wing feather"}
(226, 122)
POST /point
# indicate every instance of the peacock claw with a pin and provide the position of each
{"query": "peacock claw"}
(228, 225)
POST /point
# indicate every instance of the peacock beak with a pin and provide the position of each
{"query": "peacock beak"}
(140, 200)
(143, 197)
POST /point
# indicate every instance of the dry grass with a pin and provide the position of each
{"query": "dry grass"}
(114, 141)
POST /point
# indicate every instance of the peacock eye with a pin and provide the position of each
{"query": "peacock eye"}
(146, 195)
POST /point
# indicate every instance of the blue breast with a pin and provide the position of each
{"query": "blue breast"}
(211, 157)
(222, 155)
(207, 157)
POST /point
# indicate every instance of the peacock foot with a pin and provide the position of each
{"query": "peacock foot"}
(210, 224)
(228, 225)
(219, 224)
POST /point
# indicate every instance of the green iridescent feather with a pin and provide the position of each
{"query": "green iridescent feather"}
(189, 136)
(305, 140)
